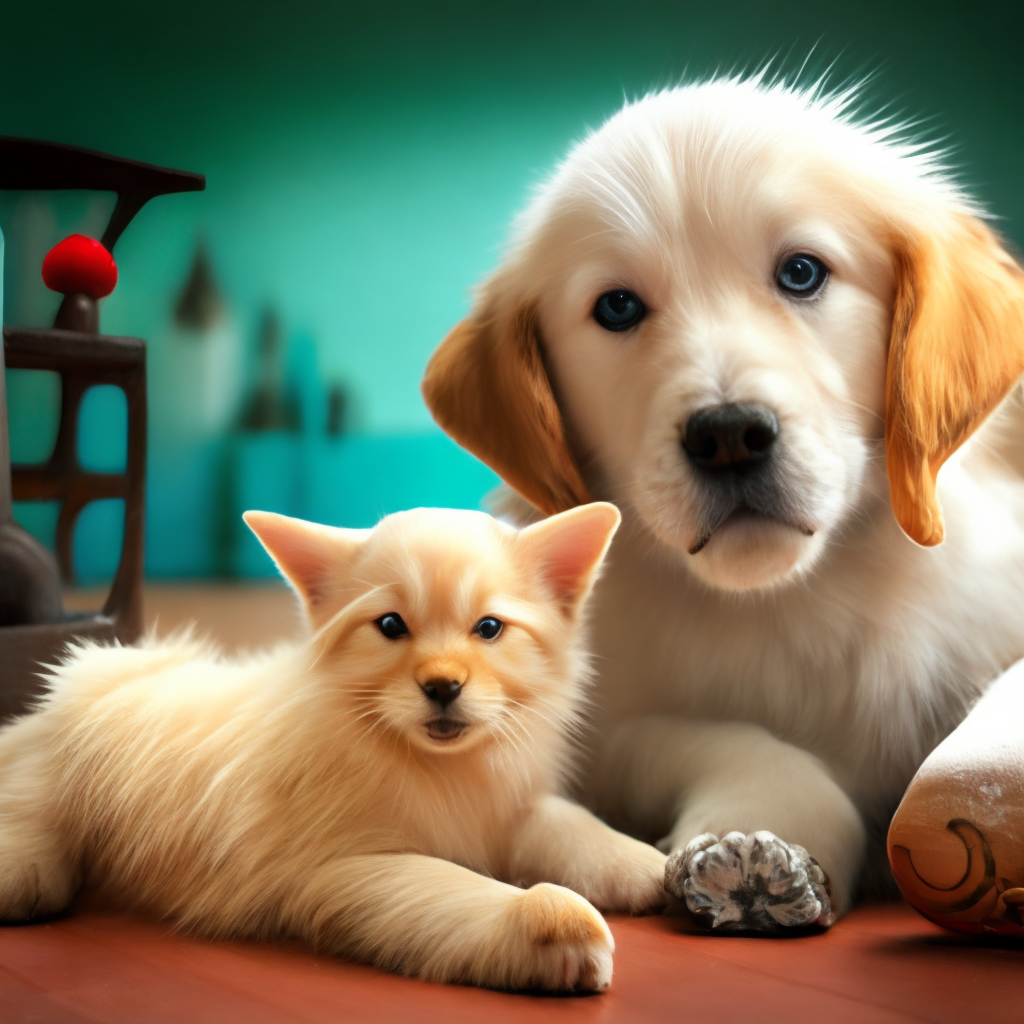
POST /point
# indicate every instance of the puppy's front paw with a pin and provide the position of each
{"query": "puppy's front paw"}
(752, 882)
(563, 943)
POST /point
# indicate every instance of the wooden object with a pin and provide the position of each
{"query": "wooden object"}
(81, 361)
(956, 844)
(34, 626)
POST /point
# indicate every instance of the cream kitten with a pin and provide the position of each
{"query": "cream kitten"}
(373, 789)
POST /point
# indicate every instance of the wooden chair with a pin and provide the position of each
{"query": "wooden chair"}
(34, 627)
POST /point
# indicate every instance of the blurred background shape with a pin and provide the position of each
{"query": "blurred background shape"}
(363, 163)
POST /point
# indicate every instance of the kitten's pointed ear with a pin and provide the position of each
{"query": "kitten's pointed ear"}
(570, 547)
(957, 348)
(312, 558)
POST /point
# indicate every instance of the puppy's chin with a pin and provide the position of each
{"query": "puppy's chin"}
(754, 553)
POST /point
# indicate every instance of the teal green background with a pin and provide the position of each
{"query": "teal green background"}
(363, 163)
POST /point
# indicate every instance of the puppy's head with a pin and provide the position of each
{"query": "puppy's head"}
(730, 310)
(446, 629)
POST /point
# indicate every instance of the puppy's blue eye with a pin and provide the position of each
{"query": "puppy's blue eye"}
(489, 627)
(802, 275)
(392, 626)
(619, 310)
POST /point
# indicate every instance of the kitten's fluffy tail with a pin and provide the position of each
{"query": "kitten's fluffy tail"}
(39, 854)
(89, 670)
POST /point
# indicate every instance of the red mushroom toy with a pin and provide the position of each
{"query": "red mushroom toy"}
(82, 270)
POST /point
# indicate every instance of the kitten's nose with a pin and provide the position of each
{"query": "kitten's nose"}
(444, 691)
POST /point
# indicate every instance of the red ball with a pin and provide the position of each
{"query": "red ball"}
(80, 264)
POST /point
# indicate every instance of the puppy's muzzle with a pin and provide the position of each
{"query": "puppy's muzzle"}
(733, 437)
(731, 449)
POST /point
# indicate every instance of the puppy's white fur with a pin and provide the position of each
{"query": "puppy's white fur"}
(792, 673)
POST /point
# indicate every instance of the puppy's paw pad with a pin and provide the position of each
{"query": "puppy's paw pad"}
(752, 882)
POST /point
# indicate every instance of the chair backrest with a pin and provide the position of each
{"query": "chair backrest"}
(38, 627)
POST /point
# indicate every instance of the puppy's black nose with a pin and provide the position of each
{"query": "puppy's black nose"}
(730, 435)
(444, 691)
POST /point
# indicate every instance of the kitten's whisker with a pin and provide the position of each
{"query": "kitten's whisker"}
(562, 722)
(518, 743)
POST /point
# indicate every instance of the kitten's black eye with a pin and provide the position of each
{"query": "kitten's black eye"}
(489, 627)
(392, 626)
(619, 310)
(802, 275)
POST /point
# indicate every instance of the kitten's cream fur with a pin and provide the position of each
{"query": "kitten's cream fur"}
(300, 792)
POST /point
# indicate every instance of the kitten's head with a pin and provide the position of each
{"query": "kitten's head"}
(447, 628)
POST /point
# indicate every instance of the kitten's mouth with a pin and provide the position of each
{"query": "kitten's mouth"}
(446, 729)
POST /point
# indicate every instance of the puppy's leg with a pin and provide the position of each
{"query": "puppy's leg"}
(776, 807)
(436, 920)
(561, 842)
(38, 875)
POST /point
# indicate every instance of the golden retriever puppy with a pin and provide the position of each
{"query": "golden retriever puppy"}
(761, 327)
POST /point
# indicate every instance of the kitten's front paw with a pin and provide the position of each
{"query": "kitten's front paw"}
(562, 943)
(752, 882)
(632, 880)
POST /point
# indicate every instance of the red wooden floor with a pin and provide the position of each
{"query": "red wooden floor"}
(881, 964)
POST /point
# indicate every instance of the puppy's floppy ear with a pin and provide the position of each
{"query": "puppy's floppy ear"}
(311, 557)
(956, 350)
(488, 388)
